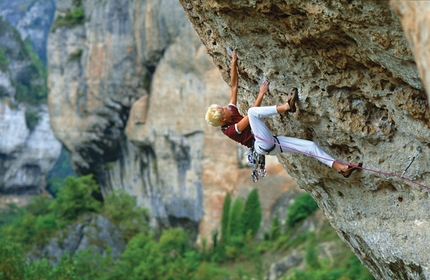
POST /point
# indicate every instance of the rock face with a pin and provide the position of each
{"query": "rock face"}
(32, 19)
(128, 91)
(28, 148)
(26, 156)
(92, 230)
(416, 24)
(361, 100)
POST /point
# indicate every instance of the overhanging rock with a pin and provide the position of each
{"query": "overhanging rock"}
(362, 100)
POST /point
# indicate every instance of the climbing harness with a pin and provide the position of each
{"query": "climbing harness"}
(411, 161)
(258, 163)
(358, 167)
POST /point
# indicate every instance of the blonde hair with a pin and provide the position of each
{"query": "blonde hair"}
(213, 115)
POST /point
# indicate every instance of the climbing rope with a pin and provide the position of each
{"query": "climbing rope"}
(358, 167)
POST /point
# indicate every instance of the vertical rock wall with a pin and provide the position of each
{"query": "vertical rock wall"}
(416, 23)
(28, 148)
(362, 100)
(128, 93)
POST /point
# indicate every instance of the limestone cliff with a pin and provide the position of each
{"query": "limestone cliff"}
(32, 19)
(128, 91)
(28, 148)
(362, 100)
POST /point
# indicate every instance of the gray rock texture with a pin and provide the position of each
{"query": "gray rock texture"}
(92, 230)
(128, 92)
(362, 100)
(27, 152)
(26, 157)
(32, 19)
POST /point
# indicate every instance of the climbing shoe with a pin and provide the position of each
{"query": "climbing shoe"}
(293, 100)
(351, 169)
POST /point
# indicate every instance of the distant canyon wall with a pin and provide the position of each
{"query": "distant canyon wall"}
(28, 148)
(128, 91)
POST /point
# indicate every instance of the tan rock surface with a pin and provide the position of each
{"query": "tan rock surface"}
(416, 24)
(362, 100)
(131, 109)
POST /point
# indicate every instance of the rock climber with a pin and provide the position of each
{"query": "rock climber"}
(251, 129)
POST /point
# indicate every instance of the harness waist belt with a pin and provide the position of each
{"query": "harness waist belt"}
(273, 147)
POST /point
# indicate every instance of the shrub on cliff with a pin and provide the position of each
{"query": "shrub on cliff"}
(121, 209)
(4, 62)
(44, 216)
(303, 206)
(73, 18)
(28, 73)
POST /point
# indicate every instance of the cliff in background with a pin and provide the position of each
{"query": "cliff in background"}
(128, 89)
(28, 148)
(362, 99)
(32, 19)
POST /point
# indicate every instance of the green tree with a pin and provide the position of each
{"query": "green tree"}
(10, 213)
(275, 231)
(76, 198)
(146, 259)
(225, 220)
(12, 265)
(303, 206)
(251, 214)
(121, 209)
(34, 225)
(235, 214)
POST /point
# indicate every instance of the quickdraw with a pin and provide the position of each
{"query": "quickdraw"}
(411, 161)
(258, 163)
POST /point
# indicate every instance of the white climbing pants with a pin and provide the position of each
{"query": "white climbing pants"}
(290, 144)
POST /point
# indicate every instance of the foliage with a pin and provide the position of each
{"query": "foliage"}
(10, 213)
(11, 261)
(251, 214)
(71, 19)
(31, 83)
(275, 231)
(312, 253)
(320, 270)
(76, 198)
(172, 256)
(239, 226)
(89, 264)
(225, 220)
(34, 225)
(32, 118)
(44, 216)
(303, 206)
(121, 208)
(30, 80)
(75, 55)
(4, 62)
(235, 214)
